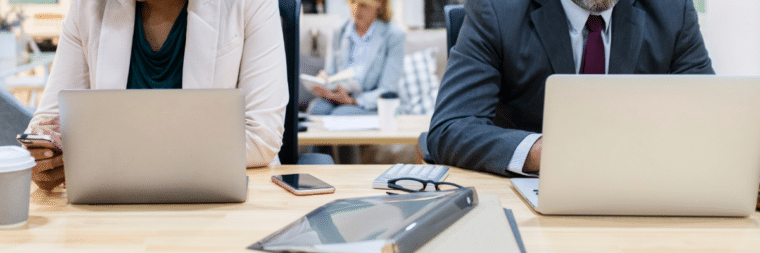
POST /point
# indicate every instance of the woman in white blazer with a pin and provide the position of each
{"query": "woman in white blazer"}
(227, 44)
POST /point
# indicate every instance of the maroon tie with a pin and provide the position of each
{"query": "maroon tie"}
(593, 55)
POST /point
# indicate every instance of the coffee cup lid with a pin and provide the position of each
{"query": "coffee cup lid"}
(389, 95)
(13, 158)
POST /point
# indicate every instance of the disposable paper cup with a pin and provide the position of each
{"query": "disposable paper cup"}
(15, 179)
(387, 106)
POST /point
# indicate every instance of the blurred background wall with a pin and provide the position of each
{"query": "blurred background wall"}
(732, 35)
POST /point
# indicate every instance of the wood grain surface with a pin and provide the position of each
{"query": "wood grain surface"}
(55, 226)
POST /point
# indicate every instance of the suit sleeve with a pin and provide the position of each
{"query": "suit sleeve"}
(690, 55)
(392, 71)
(263, 79)
(462, 131)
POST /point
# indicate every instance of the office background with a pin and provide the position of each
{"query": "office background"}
(729, 27)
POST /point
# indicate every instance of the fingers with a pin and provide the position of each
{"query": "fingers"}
(48, 186)
(322, 92)
(321, 88)
(51, 121)
(48, 164)
(48, 173)
(50, 126)
(41, 153)
(342, 96)
(318, 89)
(48, 177)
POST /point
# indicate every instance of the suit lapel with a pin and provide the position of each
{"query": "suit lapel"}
(115, 45)
(626, 37)
(201, 45)
(554, 35)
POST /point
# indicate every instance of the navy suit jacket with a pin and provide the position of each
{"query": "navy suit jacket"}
(492, 94)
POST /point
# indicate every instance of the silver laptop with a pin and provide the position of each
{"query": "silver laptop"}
(648, 145)
(153, 146)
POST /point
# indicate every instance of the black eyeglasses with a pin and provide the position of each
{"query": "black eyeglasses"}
(410, 184)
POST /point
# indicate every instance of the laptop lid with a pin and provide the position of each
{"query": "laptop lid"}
(650, 145)
(153, 146)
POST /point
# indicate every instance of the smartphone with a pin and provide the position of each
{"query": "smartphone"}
(36, 141)
(302, 184)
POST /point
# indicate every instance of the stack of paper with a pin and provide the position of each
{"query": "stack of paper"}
(350, 123)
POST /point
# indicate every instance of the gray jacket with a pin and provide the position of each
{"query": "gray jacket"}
(492, 94)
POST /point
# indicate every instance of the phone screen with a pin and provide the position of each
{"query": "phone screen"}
(303, 181)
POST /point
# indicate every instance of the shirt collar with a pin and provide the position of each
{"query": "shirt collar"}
(355, 36)
(577, 16)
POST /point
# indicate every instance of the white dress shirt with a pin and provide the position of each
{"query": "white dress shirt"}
(576, 20)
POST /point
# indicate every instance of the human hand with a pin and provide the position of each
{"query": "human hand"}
(533, 162)
(320, 90)
(48, 173)
(339, 96)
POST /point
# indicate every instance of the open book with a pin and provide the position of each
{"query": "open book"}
(345, 79)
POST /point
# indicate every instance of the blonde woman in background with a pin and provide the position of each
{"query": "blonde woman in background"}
(373, 48)
(170, 44)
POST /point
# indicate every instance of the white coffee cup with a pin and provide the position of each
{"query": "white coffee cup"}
(387, 108)
(15, 180)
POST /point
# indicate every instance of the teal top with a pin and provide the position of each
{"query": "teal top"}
(160, 69)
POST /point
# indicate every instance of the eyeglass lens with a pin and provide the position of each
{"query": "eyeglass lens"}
(411, 184)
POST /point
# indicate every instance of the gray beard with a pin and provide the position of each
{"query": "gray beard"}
(595, 5)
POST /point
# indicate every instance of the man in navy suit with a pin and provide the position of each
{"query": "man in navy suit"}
(489, 111)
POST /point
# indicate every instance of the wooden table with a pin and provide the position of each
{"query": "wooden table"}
(56, 226)
(409, 129)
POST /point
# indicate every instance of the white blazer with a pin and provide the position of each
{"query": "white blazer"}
(230, 44)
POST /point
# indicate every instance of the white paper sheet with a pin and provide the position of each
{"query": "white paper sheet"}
(350, 123)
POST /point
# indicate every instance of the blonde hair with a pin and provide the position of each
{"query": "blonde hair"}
(384, 13)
